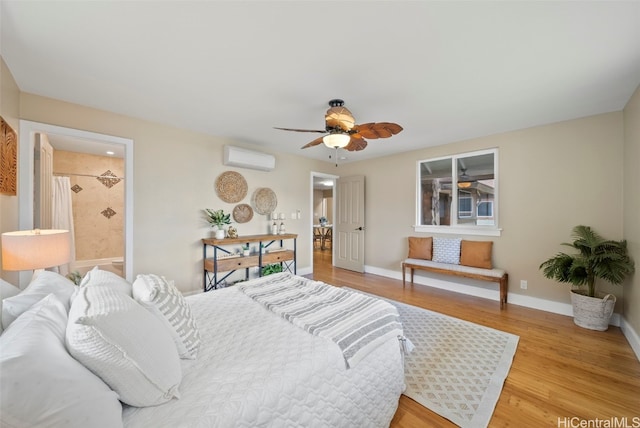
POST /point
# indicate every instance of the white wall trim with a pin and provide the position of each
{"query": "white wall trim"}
(489, 293)
(631, 335)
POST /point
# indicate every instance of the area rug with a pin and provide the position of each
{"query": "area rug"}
(457, 368)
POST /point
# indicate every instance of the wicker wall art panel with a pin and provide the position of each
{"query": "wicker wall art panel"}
(264, 200)
(242, 213)
(8, 159)
(231, 187)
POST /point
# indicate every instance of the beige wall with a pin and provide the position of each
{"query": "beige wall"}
(10, 111)
(97, 236)
(632, 207)
(551, 179)
(174, 177)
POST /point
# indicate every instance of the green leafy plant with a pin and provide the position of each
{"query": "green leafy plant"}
(596, 258)
(272, 268)
(217, 217)
(75, 277)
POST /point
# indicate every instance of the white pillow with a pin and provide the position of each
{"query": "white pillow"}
(45, 283)
(41, 384)
(446, 250)
(164, 300)
(124, 344)
(97, 276)
(6, 290)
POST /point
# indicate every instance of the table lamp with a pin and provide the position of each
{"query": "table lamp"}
(35, 249)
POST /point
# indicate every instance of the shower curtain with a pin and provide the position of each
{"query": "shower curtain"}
(62, 215)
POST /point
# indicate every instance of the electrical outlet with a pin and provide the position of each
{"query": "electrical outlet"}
(523, 284)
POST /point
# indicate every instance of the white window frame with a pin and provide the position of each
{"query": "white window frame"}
(455, 228)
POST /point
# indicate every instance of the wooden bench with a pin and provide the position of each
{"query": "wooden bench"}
(492, 275)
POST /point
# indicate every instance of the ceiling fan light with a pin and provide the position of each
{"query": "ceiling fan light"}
(336, 141)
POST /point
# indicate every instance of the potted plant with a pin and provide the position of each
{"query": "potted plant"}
(597, 258)
(245, 249)
(219, 219)
(271, 269)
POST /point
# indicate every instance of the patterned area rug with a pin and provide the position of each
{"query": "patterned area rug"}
(457, 368)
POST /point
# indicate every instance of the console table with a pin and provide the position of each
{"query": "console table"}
(225, 260)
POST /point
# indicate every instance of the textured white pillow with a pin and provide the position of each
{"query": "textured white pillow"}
(98, 276)
(446, 250)
(41, 384)
(45, 283)
(166, 302)
(124, 344)
(6, 290)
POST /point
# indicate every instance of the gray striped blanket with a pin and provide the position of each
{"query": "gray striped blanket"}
(355, 322)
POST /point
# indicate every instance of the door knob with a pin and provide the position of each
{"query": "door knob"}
(360, 228)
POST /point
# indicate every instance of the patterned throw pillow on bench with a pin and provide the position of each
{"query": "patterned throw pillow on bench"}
(446, 250)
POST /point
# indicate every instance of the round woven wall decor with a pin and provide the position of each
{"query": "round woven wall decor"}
(231, 186)
(264, 200)
(242, 213)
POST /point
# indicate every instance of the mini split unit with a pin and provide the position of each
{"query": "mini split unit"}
(243, 158)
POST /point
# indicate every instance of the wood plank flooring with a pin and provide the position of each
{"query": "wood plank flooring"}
(560, 371)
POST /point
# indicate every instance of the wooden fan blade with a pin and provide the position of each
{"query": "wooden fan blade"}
(313, 143)
(300, 130)
(357, 143)
(339, 117)
(375, 130)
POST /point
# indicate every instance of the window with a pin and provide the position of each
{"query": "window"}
(464, 204)
(458, 194)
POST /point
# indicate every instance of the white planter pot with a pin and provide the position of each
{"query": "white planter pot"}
(593, 313)
(219, 234)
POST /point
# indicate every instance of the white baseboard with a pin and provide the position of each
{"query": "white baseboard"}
(632, 336)
(480, 289)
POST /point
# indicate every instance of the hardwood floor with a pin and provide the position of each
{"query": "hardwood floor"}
(560, 371)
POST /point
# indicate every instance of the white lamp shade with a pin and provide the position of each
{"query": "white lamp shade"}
(336, 141)
(35, 249)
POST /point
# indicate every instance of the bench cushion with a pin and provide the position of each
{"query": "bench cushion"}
(420, 248)
(496, 273)
(476, 253)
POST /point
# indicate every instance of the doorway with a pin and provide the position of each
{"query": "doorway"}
(74, 140)
(322, 216)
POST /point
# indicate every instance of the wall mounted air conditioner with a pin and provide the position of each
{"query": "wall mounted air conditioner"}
(243, 158)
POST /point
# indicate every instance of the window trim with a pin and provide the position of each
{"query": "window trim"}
(458, 229)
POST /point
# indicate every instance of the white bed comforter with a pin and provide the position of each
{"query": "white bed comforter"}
(255, 369)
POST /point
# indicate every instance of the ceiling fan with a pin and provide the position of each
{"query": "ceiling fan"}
(343, 132)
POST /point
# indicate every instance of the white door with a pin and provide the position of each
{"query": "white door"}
(348, 226)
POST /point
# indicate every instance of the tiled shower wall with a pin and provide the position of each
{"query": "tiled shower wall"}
(98, 202)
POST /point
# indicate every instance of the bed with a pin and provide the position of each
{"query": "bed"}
(252, 366)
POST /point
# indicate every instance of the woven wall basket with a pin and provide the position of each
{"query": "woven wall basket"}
(593, 313)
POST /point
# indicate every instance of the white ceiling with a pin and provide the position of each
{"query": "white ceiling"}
(445, 71)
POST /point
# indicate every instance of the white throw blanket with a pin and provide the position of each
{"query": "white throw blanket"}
(355, 322)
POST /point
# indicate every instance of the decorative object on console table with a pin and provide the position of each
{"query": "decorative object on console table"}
(597, 258)
(245, 250)
(219, 219)
(223, 262)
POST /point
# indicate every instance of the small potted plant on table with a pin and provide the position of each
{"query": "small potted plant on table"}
(597, 258)
(218, 219)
